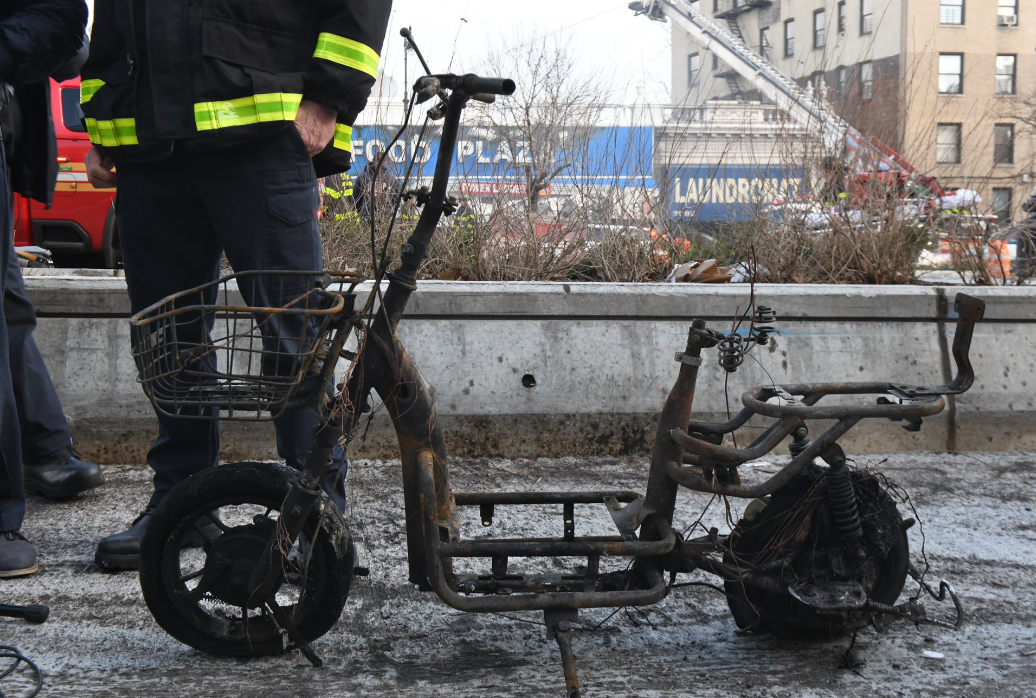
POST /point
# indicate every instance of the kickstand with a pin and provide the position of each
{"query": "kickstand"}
(559, 627)
(288, 625)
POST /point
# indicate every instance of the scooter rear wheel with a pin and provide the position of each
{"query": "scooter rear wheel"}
(199, 596)
(793, 536)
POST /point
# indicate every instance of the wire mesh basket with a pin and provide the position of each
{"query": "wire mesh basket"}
(245, 347)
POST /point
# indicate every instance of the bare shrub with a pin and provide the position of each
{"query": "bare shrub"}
(883, 250)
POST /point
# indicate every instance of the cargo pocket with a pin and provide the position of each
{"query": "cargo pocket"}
(294, 208)
(292, 235)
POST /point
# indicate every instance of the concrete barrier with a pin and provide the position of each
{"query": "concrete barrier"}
(549, 369)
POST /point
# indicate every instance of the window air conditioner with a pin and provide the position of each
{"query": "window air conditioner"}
(1007, 20)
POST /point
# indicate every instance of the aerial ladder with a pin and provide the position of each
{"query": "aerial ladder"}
(809, 110)
(878, 170)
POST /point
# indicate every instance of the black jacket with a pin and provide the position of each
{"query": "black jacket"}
(37, 39)
(213, 73)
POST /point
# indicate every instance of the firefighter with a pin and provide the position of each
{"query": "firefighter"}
(338, 202)
(36, 37)
(216, 125)
(375, 187)
(464, 217)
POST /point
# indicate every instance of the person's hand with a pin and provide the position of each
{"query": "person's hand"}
(99, 169)
(316, 125)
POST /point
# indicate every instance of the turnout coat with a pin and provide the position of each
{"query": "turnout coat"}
(206, 74)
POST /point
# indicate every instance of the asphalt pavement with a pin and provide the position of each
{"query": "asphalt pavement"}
(979, 530)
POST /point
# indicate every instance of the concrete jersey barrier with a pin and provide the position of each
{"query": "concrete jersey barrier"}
(553, 369)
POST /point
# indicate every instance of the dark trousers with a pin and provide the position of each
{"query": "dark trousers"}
(44, 428)
(12, 491)
(257, 202)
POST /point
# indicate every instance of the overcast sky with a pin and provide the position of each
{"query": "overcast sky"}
(604, 35)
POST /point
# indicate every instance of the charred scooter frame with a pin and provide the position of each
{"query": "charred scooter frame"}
(820, 550)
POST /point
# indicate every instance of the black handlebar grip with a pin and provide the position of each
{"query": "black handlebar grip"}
(474, 85)
(37, 613)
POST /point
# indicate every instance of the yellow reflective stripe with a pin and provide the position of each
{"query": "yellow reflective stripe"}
(347, 52)
(112, 133)
(244, 111)
(87, 89)
(343, 138)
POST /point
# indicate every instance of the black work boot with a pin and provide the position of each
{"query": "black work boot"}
(17, 555)
(62, 474)
(121, 551)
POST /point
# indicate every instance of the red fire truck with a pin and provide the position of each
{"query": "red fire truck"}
(81, 220)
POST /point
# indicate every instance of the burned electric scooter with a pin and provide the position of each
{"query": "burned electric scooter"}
(821, 548)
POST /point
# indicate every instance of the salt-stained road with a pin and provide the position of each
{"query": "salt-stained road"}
(977, 512)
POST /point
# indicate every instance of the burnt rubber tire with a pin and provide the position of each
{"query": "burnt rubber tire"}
(885, 541)
(325, 544)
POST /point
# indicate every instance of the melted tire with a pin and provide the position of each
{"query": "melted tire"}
(328, 551)
(885, 541)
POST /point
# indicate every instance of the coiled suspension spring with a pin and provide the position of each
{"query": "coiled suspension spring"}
(764, 324)
(731, 352)
(842, 496)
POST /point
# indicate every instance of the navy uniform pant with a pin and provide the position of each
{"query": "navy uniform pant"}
(257, 202)
(44, 428)
(12, 492)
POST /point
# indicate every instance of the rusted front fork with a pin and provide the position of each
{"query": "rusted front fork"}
(411, 403)
(385, 366)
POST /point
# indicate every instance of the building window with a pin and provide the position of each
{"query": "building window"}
(1006, 8)
(951, 11)
(843, 82)
(841, 17)
(947, 144)
(866, 80)
(819, 29)
(1005, 67)
(951, 73)
(789, 38)
(866, 17)
(1002, 204)
(1003, 144)
(715, 63)
(693, 68)
(764, 43)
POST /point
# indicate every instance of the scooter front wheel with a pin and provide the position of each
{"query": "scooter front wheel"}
(205, 540)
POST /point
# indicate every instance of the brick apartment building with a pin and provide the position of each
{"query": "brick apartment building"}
(948, 83)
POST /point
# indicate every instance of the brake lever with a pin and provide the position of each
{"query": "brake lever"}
(438, 111)
(425, 88)
(484, 98)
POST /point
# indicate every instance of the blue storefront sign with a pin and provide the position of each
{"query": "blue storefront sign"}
(607, 156)
(721, 193)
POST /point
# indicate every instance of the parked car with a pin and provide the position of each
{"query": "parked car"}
(81, 220)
